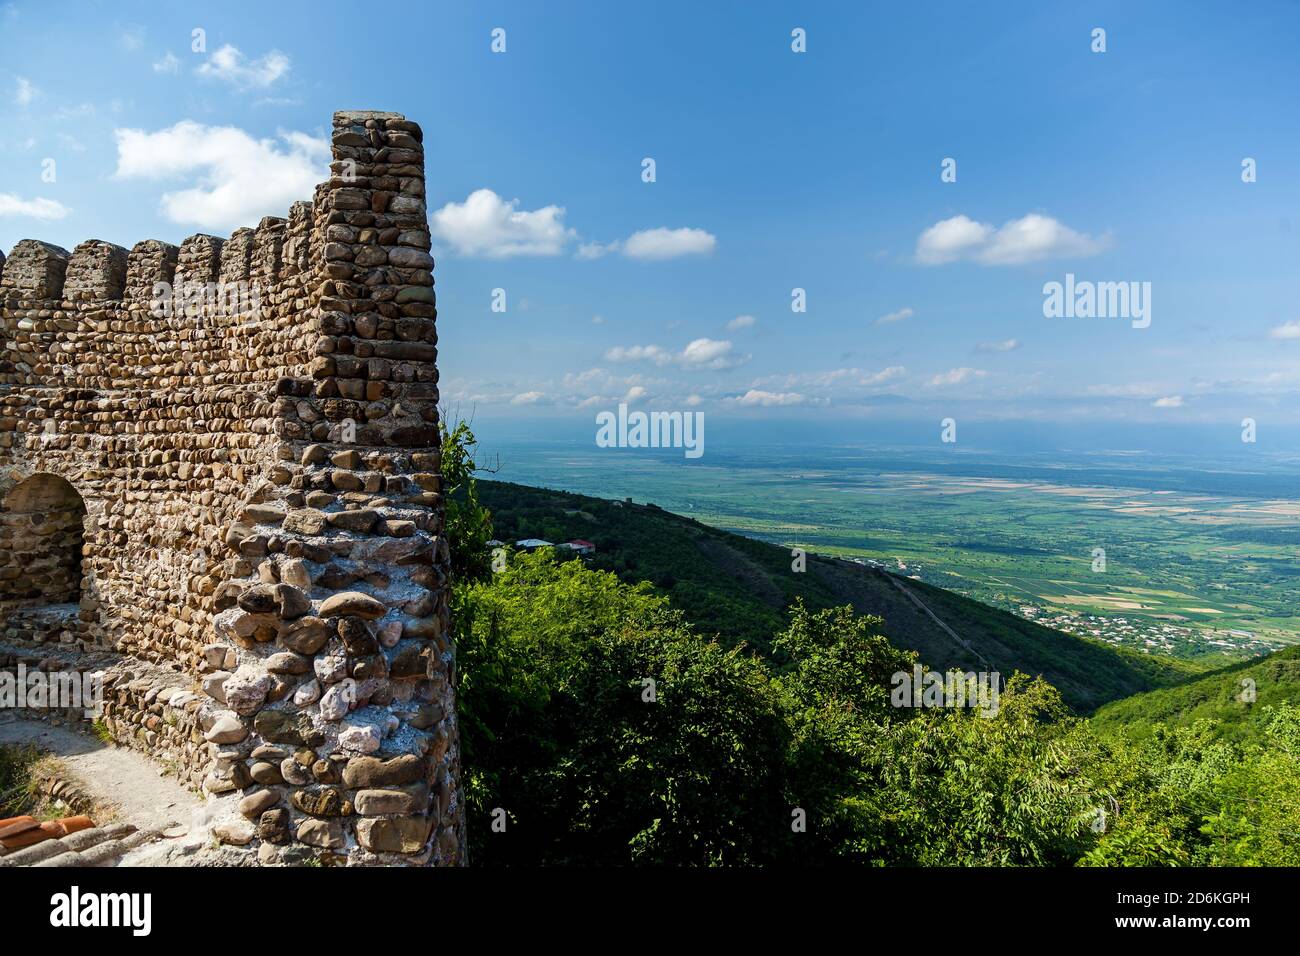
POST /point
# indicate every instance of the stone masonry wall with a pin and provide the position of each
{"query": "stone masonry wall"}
(262, 540)
(41, 524)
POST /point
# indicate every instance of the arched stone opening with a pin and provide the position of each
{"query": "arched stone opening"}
(42, 527)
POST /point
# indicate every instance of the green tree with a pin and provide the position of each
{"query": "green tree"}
(467, 524)
(609, 731)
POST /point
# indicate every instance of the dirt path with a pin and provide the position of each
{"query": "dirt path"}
(115, 777)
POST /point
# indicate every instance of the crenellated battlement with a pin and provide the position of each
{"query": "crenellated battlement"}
(259, 475)
(34, 270)
(105, 317)
(148, 263)
(102, 272)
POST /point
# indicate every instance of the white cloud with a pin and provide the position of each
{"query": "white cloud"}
(24, 92)
(1127, 390)
(527, 398)
(229, 65)
(701, 353)
(131, 38)
(638, 353)
(834, 378)
(1007, 345)
(884, 375)
(239, 178)
(768, 399)
(597, 320)
(43, 209)
(951, 239)
(957, 376)
(584, 379)
(635, 394)
(899, 316)
(1027, 239)
(693, 400)
(668, 243)
(741, 322)
(1169, 401)
(654, 244)
(710, 353)
(168, 64)
(80, 111)
(1287, 330)
(488, 226)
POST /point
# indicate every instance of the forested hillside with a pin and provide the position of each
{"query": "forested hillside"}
(738, 588)
(1233, 699)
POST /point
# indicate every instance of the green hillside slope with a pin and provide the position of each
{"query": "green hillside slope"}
(738, 588)
(1217, 696)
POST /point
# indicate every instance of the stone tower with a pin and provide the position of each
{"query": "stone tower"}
(219, 482)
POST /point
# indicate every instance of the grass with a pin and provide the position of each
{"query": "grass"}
(101, 731)
(17, 791)
(22, 768)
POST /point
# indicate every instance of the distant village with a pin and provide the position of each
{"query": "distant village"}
(1149, 636)
(1135, 633)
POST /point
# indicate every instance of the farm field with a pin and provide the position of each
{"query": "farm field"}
(1186, 572)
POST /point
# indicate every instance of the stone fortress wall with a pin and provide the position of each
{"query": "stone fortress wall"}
(261, 564)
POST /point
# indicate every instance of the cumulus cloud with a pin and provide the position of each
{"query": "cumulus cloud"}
(131, 38)
(708, 353)
(741, 322)
(765, 399)
(487, 225)
(1287, 330)
(168, 64)
(239, 179)
(46, 210)
(1006, 345)
(638, 353)
(899, 316)
(24, 92)
(1169, 401)
(957, 376)
(528, 398)
(668, 243)
(654, 244)
(1027, 239)
(701, 353)
(229, 65)
(890, 374)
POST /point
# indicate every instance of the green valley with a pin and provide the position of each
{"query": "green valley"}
(738, 588)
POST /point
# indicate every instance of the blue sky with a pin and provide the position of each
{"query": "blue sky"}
(775, 170)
